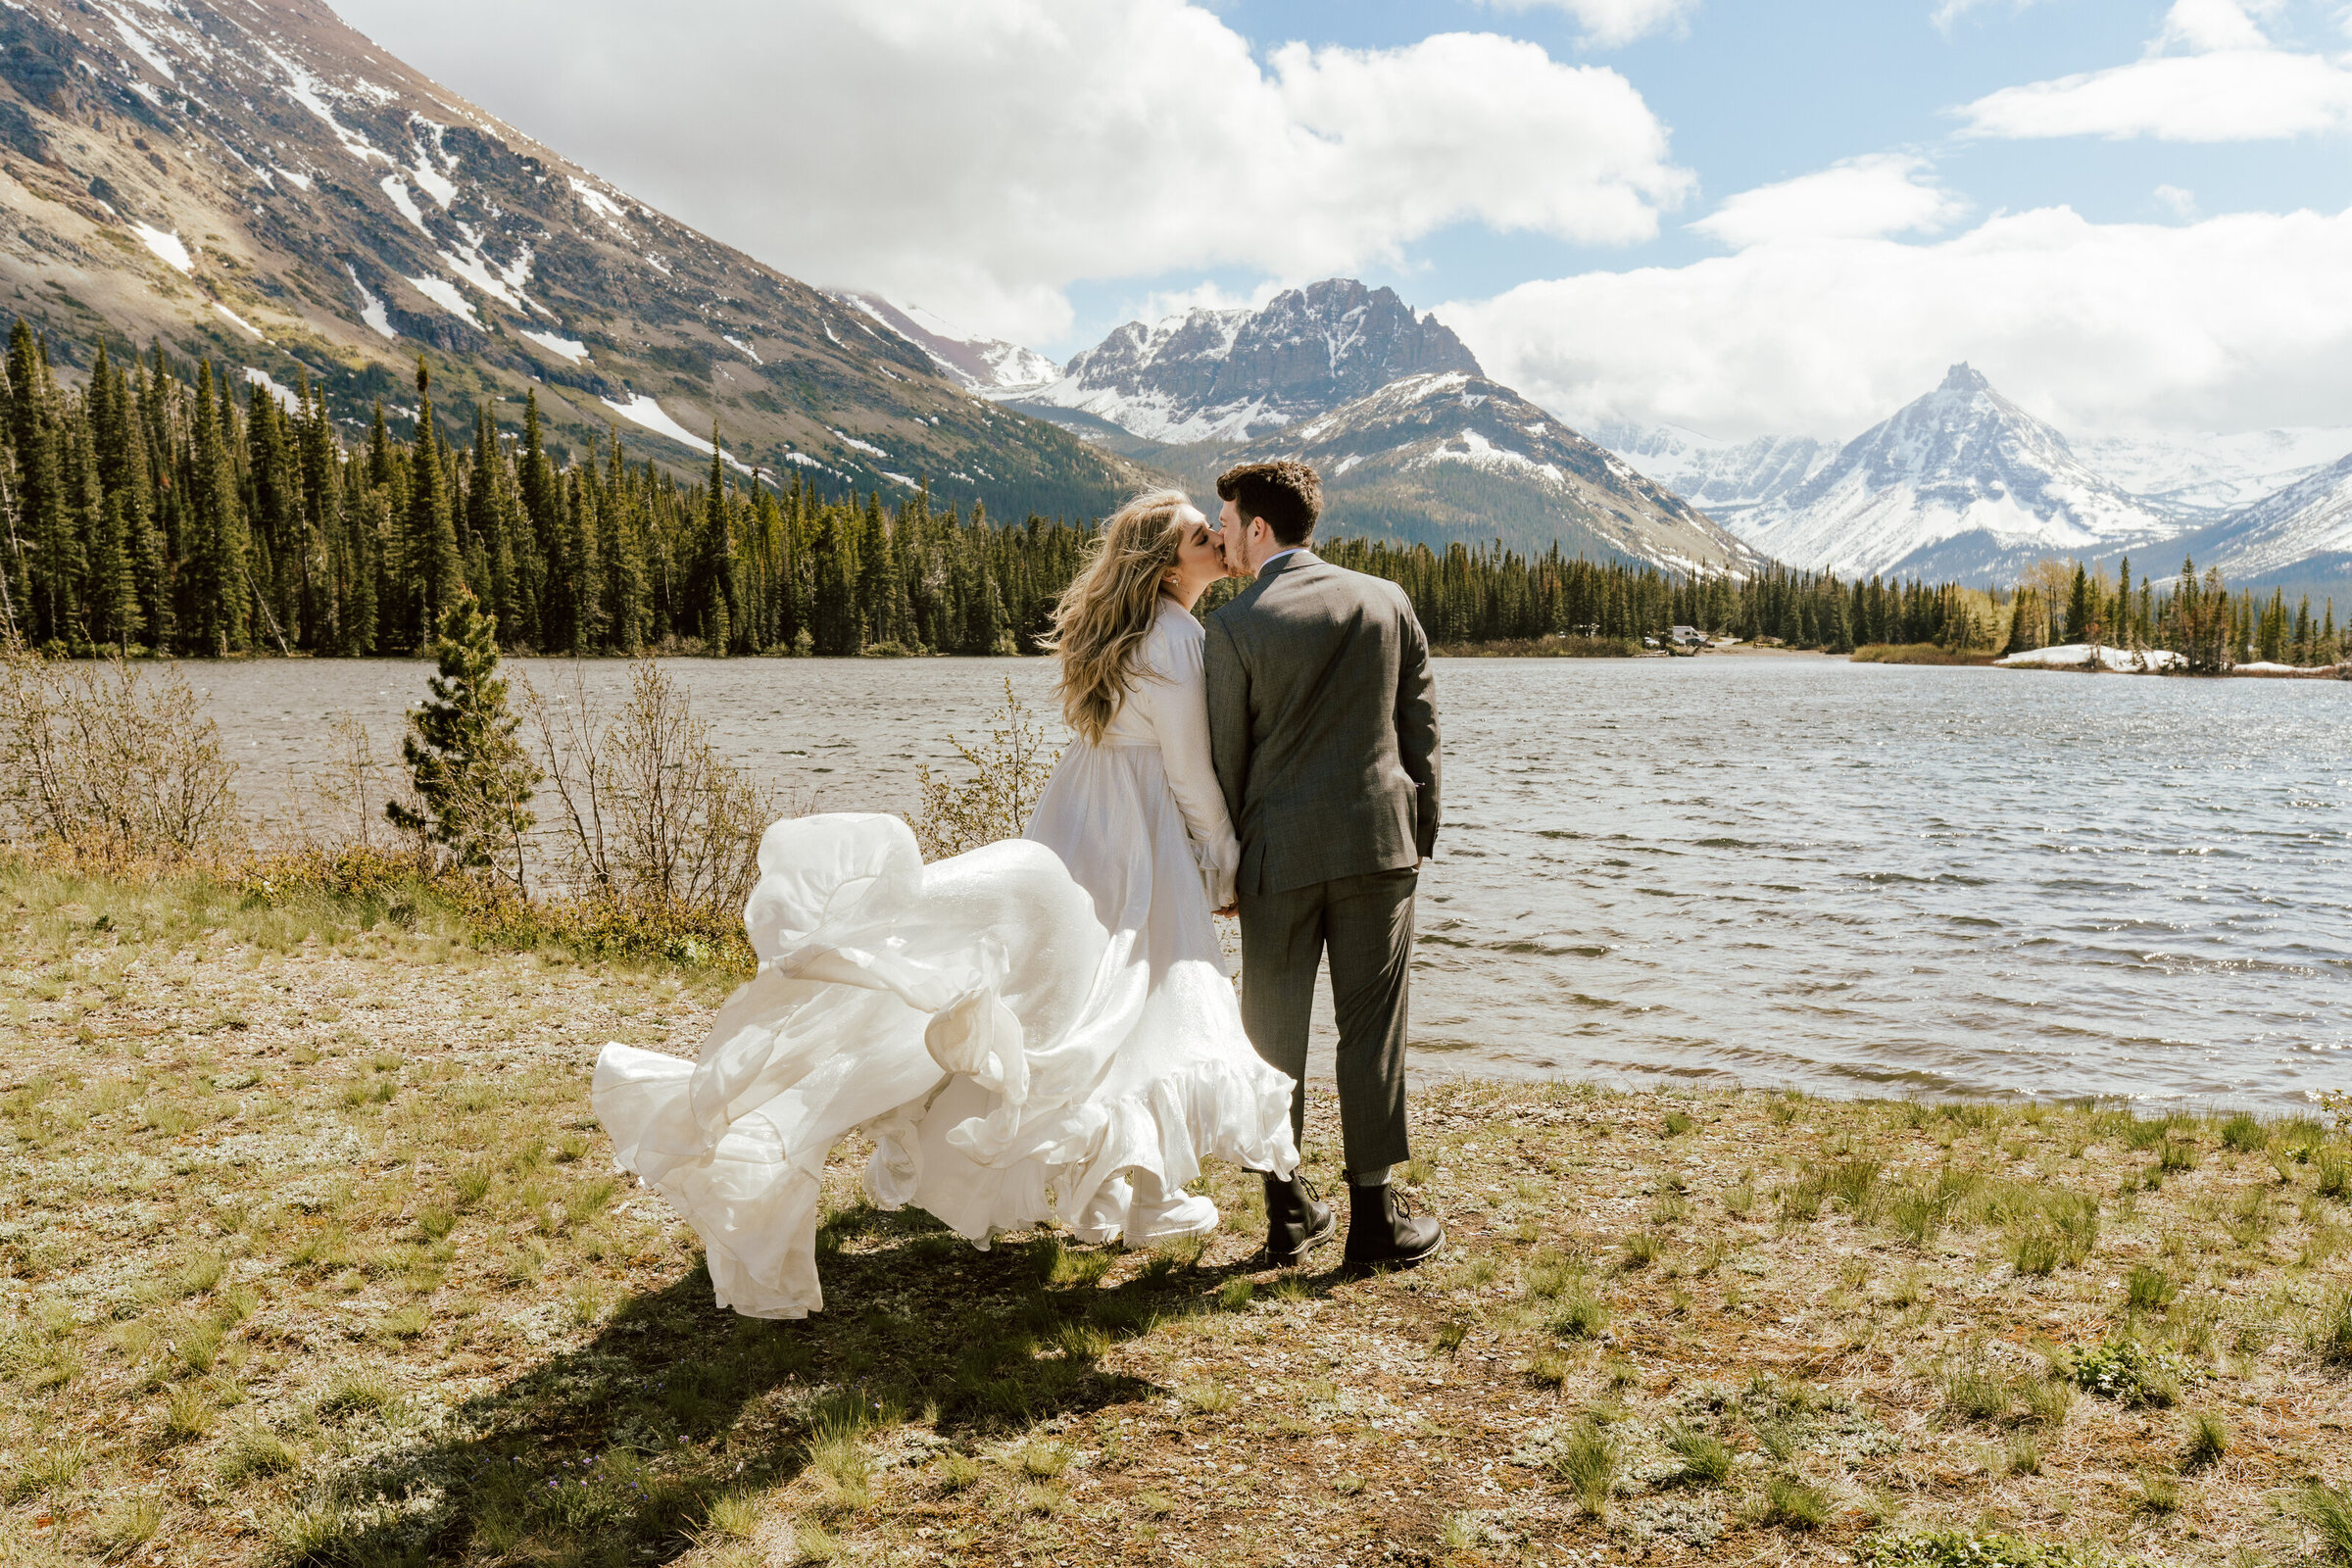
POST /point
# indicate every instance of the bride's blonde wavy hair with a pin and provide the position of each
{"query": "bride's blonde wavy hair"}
(1108, 611)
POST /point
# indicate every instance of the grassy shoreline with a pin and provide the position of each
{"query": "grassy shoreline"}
(311, 1251)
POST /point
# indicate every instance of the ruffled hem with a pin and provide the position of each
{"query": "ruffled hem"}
(1209, 1108)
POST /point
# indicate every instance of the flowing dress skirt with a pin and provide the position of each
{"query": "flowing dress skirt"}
(1006, 1050)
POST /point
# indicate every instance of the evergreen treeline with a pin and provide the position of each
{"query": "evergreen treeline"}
(2196, 616)
(149, 511)
(1496, 595)
(146, 512)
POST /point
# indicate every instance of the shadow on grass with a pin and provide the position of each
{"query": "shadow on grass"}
(616, 1452)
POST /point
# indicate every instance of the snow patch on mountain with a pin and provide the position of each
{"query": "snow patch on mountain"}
(310, 92)
(168, 248)
(442, 292)
(397, 188)
(143, 46)
(563, 348)
(645, 410)
(434, 183)
(269, 383)
(1451, 456)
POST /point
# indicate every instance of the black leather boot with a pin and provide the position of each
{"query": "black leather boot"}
(1383, 1231)
(1295, 1222)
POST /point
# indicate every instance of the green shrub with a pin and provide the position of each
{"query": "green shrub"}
(2129, 1372)
(1586, 1461)
(2331, 1334)
(1854, 1183)
(1960, 1548)
(1706, 1459)
(1579, 1314)
(1799, 1504)
(2208, 1441)
(2244, 1135)
(2330, 1512)
(2147, 1289)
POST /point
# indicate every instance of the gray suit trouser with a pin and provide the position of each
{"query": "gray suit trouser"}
(1366, 923)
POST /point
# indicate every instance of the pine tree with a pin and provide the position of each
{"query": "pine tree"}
(438, 569)
(217, 613)
(473, 779)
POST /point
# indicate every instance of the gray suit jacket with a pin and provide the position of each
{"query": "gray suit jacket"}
(1323, 723)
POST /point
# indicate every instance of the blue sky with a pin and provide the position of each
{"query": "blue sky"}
(1742, 217)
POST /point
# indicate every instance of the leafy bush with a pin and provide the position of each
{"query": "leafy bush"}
(1961, 1548)
(2129, 1372)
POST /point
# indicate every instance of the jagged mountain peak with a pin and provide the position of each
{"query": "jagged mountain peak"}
(1228, 374)
(1960, 482)
(1450, 456)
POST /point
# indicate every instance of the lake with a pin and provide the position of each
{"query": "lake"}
(1765, 870)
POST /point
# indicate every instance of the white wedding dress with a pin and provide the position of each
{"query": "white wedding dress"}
(1043, 1025)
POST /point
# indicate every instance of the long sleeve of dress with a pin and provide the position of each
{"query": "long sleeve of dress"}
(1176, 704)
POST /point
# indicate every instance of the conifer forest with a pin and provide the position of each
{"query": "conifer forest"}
(164, 509)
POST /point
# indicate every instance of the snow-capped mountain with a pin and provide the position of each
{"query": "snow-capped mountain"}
(1227, 376)
(1726, 477)
(257, 183)
(2304, 530)
(1451, 456)
(2201, 477)
(1961, 484)
(987, 365)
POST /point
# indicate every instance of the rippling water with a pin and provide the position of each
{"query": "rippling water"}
(1781, 870)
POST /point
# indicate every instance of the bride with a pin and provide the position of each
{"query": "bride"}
(1044, 1025)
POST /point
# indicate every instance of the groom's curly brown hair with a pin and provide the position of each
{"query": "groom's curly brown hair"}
(1286, 492)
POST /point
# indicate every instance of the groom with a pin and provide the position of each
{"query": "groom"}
(1324, 727)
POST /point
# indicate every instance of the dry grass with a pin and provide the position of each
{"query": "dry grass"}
(260, 1311)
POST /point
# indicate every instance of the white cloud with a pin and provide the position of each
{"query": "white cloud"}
(1886, 193)
(982, 157)
(1948, 12)
(2236, 322)
(2231, 86)
(2181, 203)
(2203, 26)
(1610, 23)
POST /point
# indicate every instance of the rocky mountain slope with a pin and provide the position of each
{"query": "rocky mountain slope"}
(1961, 484)
(1453, 457)
(256, 182)
(2304, 531)
(1227, 376)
